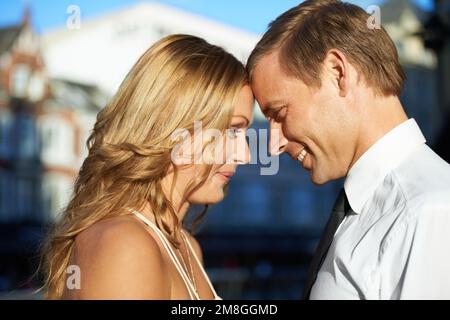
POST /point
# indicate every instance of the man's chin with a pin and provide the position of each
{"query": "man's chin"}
(319, 182)
(318, 179)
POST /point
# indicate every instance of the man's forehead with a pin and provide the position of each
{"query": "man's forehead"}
(266, 80)
(268, 64)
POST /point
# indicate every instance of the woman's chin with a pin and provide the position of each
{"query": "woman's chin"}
(216, 198)
(209, 198)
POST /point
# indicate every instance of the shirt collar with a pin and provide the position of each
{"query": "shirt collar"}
(373, 166)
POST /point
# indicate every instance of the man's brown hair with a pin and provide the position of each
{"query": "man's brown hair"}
(304, 35)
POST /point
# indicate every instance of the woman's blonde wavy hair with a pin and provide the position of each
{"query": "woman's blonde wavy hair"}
(179, 80)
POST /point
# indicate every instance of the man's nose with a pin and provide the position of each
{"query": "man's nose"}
(277, 141)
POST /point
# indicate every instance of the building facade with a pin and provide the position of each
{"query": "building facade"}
(43, 128)
(404, 22)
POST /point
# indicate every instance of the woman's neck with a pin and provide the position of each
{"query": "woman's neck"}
(180, 211)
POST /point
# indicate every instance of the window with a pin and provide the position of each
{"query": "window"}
(4, 196)
(47, 138)
(26, 137)
(19, 80)
(5, 127)
(57, 142)
(25, 199)
(36, 88)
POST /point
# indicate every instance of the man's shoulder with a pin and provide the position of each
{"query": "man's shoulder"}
(424, 179)
(417, 190)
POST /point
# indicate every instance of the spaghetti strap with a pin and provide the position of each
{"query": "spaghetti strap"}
(216, 297)
(192, 292)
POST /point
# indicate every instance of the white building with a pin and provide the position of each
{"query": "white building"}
(103, 49)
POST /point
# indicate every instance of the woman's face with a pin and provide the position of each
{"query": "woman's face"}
(232, 151)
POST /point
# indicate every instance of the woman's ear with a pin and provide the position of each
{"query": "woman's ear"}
(337, 67)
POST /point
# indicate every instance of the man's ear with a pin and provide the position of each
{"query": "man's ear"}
(336, 66)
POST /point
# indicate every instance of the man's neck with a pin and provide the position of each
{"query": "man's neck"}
(379, 115)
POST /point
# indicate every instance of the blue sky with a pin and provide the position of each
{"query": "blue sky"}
(251, 15)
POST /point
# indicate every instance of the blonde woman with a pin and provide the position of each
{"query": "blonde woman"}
(122, 233)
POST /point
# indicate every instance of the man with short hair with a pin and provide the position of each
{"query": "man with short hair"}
(330, 86)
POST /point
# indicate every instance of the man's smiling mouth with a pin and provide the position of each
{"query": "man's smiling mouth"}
(301, 156)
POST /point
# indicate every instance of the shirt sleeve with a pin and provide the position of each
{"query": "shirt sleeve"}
(417, 260)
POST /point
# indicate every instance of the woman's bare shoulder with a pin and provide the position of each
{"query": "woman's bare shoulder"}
(109, 229)
(119, 258)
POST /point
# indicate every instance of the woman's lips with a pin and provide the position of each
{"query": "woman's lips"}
(225, 175)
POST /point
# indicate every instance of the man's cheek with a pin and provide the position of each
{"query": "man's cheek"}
(290, 130)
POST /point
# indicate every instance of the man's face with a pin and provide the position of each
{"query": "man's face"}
(313, 125)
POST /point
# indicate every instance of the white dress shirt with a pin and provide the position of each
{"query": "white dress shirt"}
(397, 243)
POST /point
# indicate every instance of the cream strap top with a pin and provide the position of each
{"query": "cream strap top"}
(189, 285)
